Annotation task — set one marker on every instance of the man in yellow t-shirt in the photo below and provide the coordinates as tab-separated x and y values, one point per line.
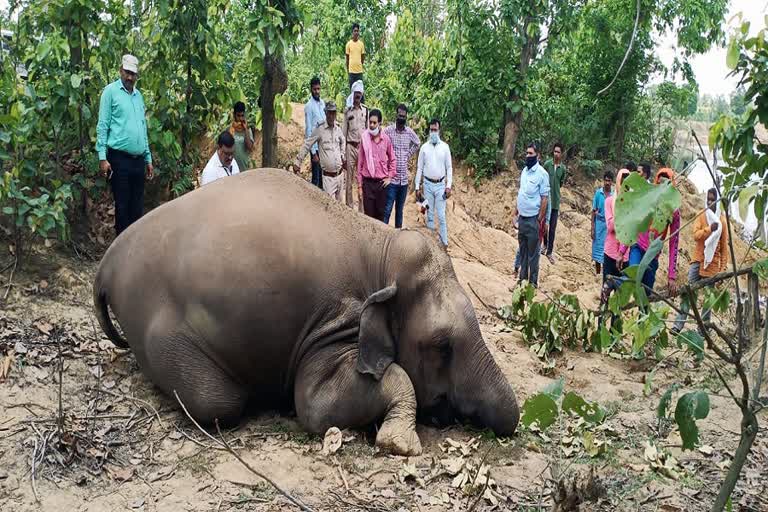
355	55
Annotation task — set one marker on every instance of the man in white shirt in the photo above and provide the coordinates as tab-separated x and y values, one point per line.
223	162
435	166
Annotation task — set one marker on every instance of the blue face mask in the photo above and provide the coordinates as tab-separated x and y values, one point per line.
530	161
434	137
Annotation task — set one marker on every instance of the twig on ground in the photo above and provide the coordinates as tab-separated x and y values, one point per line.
137	400
198	443
474	480
223	442
10	279
343	478
60	361
492	309
34	472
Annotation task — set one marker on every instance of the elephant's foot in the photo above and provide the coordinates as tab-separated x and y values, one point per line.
398	437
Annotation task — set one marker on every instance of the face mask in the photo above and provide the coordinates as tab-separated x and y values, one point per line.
434	137
373	132
530	161
400	122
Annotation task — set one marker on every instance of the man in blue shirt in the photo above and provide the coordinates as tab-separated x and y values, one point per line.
532	210
122	143
314	116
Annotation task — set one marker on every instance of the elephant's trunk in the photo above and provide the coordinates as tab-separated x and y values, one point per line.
488	399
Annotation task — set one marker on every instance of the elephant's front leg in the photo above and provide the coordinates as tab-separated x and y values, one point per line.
330	392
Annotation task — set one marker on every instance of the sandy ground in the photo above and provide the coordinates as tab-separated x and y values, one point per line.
124	446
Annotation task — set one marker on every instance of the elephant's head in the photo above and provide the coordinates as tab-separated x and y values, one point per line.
424	321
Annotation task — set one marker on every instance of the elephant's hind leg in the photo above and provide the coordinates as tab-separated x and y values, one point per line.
330	392
177	364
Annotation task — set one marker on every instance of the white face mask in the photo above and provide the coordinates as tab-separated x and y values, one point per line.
434	137
373	132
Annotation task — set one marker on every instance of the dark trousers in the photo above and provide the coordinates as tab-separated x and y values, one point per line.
649	278
549	238
317	174
528	238
610	269
374	198
127	187
354	77
396	196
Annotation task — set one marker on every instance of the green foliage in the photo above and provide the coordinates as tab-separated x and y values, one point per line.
548	327
561	322
658	204
746	156
690	407
591	412
543	409
693	341
540	409
592	168
761	269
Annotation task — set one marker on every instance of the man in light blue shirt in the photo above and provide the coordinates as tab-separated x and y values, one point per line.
123	145
532	199
314	116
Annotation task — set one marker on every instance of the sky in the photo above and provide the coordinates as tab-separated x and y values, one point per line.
709	68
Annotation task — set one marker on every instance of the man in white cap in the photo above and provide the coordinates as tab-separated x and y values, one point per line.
122	143
354	124
329	140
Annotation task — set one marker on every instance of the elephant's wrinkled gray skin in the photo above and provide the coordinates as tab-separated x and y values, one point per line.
260	285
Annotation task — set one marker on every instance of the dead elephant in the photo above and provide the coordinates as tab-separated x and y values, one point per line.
261	286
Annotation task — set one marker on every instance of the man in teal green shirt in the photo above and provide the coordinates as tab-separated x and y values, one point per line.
556	170
122	144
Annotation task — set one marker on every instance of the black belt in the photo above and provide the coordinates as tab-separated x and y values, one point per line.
434	181
123	154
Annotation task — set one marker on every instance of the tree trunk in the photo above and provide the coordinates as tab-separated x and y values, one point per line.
513	121
275	82
749	429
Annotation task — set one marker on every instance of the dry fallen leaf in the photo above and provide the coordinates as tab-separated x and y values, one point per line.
161	474
488	495
5	365
121	474
453	465
20	348
43	327
410	472
332	441
706	450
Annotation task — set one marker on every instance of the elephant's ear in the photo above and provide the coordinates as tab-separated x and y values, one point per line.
376	344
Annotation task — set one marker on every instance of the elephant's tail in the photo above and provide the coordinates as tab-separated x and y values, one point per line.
100	300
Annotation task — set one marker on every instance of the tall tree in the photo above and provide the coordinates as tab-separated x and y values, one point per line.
554	17
276	25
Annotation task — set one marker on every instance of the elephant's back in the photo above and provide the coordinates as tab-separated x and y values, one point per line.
262	204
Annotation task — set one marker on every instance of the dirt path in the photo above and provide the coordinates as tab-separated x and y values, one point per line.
127	447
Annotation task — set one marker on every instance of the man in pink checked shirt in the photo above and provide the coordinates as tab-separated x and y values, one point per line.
376	167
